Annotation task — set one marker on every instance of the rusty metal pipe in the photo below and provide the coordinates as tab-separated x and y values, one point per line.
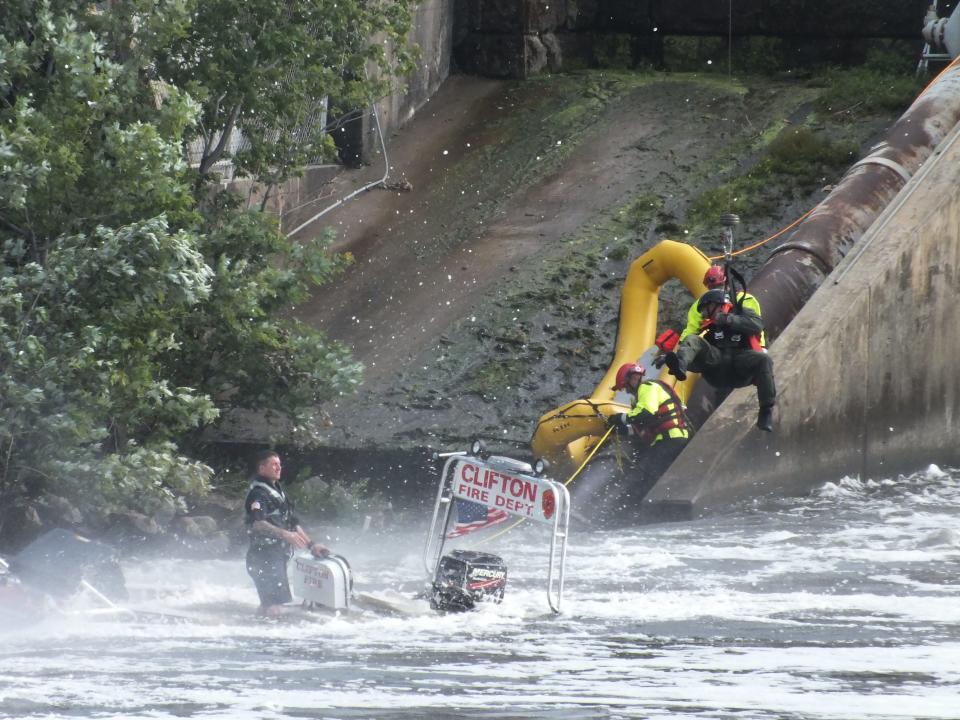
800	265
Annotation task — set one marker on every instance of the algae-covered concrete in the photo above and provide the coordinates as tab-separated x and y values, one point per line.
868	372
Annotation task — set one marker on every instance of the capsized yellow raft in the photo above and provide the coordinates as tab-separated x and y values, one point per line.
565	436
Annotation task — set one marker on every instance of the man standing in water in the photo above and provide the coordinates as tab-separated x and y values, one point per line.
274	533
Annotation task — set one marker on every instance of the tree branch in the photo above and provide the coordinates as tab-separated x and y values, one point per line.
211	158
14	228
266	196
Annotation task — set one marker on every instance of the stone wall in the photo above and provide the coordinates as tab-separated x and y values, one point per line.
867	372
519	38
432	33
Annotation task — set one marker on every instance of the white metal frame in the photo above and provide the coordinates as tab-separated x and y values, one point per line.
437	532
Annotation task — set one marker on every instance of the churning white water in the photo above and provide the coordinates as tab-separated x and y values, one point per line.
842	605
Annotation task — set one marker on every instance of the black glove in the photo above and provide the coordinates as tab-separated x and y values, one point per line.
618	421
723	319
659	360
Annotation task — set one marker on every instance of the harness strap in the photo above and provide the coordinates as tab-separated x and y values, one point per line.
672	413
751	342
271	490
674	406
277	517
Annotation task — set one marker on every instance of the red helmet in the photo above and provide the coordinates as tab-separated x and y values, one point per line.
625	371
715	277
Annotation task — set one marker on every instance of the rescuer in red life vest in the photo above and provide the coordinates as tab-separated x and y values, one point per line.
727	352
658	419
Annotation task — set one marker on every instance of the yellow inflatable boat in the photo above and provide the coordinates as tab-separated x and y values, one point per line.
565	436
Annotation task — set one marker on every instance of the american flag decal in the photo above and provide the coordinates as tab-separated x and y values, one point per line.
471	516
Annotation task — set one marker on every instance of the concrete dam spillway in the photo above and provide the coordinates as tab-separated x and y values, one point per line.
423	416
867	370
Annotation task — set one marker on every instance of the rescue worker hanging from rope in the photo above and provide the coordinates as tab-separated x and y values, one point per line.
727	351
657	419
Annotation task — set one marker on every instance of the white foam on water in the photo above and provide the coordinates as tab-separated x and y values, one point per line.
838	606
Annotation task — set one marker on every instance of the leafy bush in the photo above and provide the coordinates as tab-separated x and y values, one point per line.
318	499
883	83
85	404
797	156
801	153
137	303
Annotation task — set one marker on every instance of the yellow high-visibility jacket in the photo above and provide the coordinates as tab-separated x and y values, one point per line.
657	413
695	319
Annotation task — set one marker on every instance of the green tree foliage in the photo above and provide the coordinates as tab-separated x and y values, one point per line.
83	142
85	407
235	349
136	303
267	68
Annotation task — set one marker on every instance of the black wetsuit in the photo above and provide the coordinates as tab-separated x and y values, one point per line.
725	358
267	557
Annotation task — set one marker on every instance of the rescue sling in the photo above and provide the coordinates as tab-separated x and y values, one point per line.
752	341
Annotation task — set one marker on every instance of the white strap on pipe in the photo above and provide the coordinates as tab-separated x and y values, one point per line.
887	163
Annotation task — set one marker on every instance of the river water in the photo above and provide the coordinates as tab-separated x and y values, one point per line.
841	605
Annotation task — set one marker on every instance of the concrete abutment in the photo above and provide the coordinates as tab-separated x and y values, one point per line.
867	371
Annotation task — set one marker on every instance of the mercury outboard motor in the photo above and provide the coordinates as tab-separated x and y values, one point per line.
466	577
